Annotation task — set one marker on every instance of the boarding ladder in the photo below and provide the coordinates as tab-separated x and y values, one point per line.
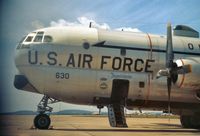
116	115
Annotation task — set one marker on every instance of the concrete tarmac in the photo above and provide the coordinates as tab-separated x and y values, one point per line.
64	125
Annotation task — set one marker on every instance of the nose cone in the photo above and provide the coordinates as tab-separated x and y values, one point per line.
21	81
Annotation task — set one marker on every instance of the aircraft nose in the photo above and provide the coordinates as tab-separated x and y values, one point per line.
20	58
22	83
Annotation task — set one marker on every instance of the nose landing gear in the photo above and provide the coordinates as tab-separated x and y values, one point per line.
42	120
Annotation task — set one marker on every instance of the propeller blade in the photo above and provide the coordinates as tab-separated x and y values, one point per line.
169	84
169	62
169	48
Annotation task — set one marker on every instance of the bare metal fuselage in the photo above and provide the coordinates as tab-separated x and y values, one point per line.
79	67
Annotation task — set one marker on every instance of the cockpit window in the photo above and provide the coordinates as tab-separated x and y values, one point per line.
20	42
48	38
34	37
29	39
40	32
39	36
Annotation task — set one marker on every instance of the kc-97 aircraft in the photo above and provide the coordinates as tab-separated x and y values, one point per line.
116	69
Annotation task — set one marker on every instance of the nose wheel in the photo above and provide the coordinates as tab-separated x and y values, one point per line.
42	120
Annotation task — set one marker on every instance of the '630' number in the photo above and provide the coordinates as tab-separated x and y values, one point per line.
61	75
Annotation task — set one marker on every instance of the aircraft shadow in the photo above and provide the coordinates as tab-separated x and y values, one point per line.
168	125
128	130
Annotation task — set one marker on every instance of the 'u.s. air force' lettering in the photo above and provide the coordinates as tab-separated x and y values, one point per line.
86	61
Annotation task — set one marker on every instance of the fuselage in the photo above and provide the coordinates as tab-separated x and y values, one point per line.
78	65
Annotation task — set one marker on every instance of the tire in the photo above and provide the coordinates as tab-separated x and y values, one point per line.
185	121
195	122
42	121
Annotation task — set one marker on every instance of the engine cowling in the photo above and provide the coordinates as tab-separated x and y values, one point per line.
189	80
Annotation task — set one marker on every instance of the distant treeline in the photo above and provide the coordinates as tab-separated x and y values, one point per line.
85	112
63	112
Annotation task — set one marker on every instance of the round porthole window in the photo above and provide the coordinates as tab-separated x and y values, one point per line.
86	45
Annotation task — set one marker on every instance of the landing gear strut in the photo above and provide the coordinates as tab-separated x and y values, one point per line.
42	120
99	107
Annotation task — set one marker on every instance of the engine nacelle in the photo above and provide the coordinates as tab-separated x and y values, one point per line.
189	80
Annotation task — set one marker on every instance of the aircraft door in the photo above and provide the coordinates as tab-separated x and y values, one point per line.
119	92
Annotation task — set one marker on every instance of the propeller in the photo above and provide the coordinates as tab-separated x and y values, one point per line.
171	70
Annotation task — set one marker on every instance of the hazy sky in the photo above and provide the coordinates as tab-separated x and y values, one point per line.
18	17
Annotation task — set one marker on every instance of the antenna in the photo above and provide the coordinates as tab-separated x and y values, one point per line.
90	25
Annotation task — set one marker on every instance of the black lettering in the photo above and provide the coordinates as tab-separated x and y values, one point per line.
57	75
62	75
115	60
127	63
138	62
35	60
79	60
66	75
71	60
87	58
190	46
103	61
148	65
52	58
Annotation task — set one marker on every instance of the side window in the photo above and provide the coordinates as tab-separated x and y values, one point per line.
20	43
47	38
